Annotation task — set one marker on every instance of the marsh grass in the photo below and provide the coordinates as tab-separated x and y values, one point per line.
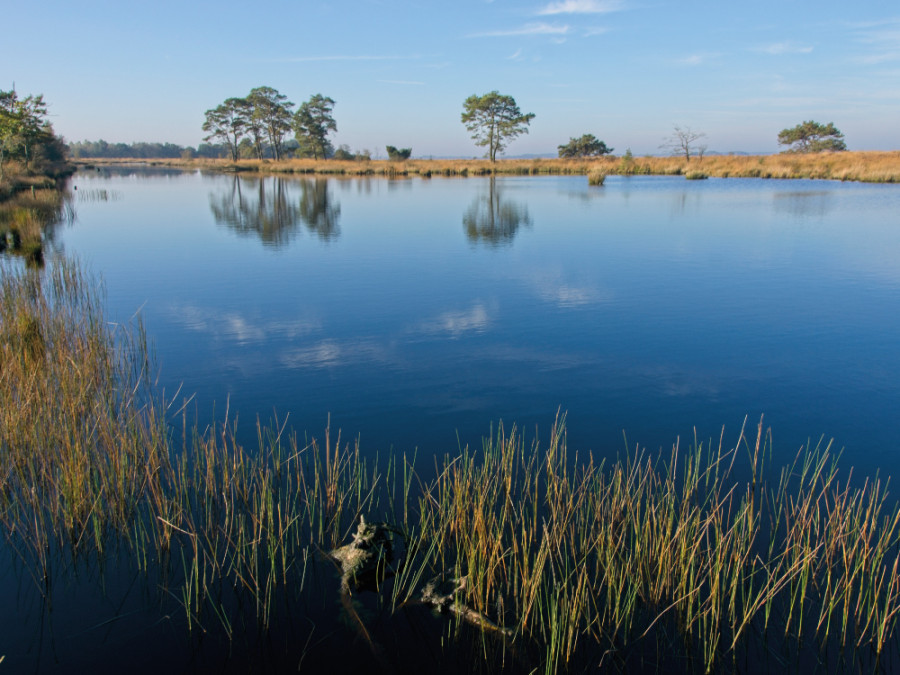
24	218
596	176
870	166
709	554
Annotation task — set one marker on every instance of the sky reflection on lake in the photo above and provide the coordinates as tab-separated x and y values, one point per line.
417	312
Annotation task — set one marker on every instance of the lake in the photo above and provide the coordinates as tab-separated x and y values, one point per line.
416	313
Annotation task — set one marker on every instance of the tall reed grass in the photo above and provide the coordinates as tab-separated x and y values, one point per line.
709	553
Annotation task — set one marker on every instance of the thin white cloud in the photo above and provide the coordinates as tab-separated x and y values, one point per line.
527	30
581	7
883	36
515	56
779	48
777	102
696	59
596	30
346	57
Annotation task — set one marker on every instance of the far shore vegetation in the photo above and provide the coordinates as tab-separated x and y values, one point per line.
863	166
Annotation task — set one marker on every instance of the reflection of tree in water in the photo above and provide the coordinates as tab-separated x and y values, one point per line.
494	220
263	207
257	206
318	210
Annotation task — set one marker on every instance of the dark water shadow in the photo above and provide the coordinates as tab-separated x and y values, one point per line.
805	204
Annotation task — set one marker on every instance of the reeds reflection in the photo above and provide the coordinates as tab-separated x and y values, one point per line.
28	223
493	220
267	207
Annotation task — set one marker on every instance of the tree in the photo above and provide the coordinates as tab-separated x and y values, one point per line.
256	130
312	124
24	129
9	125
812	137
344	153
270	111
493	120
227	122
586	146
682	141
398	155
32	124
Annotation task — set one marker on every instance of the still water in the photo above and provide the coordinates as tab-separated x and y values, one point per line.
416	313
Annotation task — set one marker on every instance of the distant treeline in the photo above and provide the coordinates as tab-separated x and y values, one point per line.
98	149
102	149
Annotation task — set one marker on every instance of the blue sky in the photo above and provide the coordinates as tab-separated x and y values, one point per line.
399	70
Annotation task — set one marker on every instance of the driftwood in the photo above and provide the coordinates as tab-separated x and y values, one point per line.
372	555
452	602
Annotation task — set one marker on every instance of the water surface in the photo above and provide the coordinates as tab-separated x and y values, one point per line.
415	313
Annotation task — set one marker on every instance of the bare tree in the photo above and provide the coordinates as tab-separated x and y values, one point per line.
681	142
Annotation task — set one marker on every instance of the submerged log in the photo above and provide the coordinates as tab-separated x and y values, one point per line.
452	601
369	557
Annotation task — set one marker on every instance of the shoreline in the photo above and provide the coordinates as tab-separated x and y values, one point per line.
865	167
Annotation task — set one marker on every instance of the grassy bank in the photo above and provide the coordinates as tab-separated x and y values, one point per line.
30	201
704	554
874	167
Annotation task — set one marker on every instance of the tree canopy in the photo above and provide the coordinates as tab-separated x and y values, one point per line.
586	146
398	154
226	123
261	119
271	112
494	120
812	137
24	130
312	123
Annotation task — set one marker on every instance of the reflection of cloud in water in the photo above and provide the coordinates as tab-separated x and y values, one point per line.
455	324
677	382
803	204
321	355
552	288
563	295
236	327
332	353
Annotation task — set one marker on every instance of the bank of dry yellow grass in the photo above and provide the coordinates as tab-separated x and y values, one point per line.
871	167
